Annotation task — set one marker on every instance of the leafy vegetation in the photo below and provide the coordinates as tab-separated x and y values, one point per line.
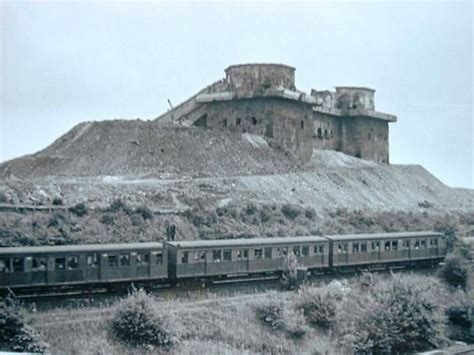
137	322
15	335
454	273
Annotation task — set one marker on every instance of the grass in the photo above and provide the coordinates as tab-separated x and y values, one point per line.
214	324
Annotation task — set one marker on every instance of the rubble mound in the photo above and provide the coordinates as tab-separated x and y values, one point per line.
141	148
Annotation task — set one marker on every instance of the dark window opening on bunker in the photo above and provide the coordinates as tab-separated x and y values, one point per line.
254	121
224	123
238	122
320	133
302	124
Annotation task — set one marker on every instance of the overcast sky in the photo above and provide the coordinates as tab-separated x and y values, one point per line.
64	63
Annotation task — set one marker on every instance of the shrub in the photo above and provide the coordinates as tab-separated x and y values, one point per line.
15	335
425	204
291	211
3	198
56	220
277	315
58	201
137	322
145	212
108	219
398	315
289	277
454	273
269	314
319	305
79	209
250	209
309	213
118	205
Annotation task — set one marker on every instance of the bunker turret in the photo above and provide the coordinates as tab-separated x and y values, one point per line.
262	99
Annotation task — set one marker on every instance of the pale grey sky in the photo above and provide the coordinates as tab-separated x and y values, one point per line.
64	63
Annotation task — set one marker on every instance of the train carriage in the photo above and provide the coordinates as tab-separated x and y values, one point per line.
205	258
73	264
374	249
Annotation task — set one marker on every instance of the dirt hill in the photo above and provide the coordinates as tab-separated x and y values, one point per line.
177	168
138	148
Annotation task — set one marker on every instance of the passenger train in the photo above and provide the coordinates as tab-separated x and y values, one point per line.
172	261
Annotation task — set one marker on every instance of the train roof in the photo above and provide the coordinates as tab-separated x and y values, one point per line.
245	242
396	235
80	248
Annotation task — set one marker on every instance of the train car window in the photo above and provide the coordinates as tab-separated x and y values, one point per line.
387	246
72	262
297	250
143	258
39	264
363	247
433	243
217	256
124	259
258	253
355	247
227	254
375	246
159	257
113	260
4	265
92	260
242	254
342	248
305	250
423	244
406	244
417	244
59	263
394	244
321	249
268	253
203	256
184	257
18	265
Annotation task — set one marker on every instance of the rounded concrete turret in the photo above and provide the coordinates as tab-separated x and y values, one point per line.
259	77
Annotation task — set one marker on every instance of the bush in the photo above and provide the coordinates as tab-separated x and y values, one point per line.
57	220
58	201
319	305
15	335
291	211
398	315
250	209
280	316
289	277
145	212
454	273
309	213
3	198
118	205
108	219
79	209
137	322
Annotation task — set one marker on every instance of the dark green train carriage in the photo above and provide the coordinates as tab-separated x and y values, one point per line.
206	258
77	264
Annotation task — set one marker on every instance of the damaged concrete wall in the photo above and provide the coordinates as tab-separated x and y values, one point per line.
255	78
365	138
288	123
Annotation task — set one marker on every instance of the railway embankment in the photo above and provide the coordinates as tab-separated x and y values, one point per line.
324	319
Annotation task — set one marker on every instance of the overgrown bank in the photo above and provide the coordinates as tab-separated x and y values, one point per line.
121	223
370	314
